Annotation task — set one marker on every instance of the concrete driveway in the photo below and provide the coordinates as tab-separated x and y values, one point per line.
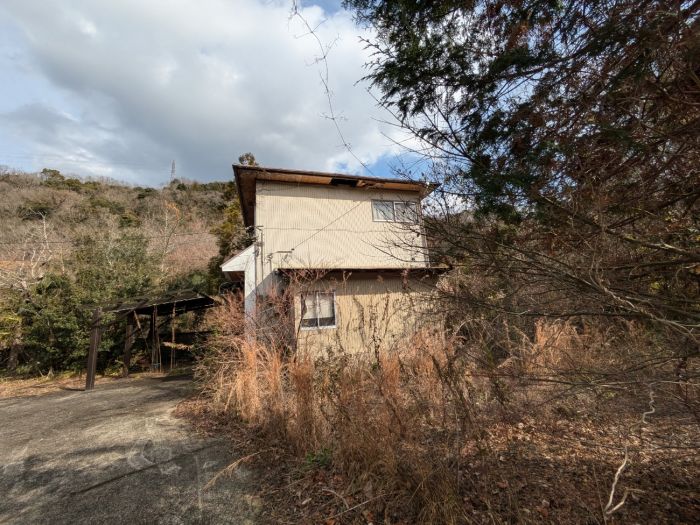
115	455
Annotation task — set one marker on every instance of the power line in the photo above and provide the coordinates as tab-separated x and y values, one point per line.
327	225
324	77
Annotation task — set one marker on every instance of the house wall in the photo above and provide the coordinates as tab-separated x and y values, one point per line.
244	264
372	312
331	227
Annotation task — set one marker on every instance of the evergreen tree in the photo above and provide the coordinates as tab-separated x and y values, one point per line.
574	128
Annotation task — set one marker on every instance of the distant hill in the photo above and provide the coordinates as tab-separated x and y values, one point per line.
44	215
68	245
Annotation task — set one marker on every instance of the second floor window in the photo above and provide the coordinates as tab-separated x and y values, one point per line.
394	211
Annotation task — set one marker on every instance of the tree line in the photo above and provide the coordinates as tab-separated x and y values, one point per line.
68	245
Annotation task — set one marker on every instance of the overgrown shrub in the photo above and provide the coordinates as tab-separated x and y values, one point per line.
55	327
436	430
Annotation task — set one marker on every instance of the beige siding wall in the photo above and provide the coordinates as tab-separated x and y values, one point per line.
372	312
331	227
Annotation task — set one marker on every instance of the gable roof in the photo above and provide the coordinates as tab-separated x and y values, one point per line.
246	177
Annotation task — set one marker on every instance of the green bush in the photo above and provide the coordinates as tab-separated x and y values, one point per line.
115	208
36	209
56	315
55	326
146	192
129	220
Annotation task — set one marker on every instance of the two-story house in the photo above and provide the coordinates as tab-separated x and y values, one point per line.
351	249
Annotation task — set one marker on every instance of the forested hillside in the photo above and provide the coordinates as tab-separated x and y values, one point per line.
67	244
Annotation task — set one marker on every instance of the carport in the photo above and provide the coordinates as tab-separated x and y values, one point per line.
166	307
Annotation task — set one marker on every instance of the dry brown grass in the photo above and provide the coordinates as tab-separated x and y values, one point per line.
36	386
14	387
434	432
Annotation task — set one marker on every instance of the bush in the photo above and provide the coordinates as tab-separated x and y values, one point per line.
129	220
115	208
55	327
437	430
387	419
36	209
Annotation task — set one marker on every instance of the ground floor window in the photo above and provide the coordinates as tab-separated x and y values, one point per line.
318	309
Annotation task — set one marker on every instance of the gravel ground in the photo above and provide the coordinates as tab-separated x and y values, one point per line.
116	455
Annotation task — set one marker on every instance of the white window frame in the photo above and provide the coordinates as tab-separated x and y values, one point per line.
301	309
415	209
393	207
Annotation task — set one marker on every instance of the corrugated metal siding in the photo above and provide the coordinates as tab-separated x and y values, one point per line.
371	313
332	227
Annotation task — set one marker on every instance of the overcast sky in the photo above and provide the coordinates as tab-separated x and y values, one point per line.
121	88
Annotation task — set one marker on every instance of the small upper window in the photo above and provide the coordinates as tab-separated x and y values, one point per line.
318	310
391	211
383	211
406	212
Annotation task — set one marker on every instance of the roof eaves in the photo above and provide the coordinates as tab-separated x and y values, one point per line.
330	175
415	269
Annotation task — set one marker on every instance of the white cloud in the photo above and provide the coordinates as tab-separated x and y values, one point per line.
86	27
199	81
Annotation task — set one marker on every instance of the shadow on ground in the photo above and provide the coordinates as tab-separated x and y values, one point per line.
115	455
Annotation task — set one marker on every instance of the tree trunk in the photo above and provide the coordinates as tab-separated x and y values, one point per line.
128	343
15	348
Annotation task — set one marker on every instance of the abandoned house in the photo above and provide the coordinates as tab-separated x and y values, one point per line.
337	261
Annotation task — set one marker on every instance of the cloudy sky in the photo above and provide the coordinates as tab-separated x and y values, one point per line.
120	88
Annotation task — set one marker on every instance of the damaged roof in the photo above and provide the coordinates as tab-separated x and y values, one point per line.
246	177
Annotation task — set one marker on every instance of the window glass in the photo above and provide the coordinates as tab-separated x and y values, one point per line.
383	210
317	309
326	309
308	310
406	212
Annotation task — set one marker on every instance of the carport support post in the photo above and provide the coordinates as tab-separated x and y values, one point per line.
95	337
128	343
172	338
155	340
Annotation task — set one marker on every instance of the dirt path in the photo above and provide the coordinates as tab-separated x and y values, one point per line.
115	455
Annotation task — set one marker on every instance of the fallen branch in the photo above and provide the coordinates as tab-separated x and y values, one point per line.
609	509
233	466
